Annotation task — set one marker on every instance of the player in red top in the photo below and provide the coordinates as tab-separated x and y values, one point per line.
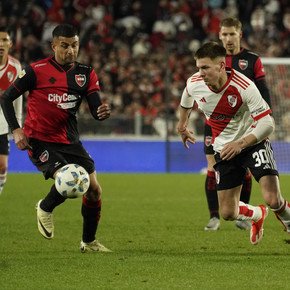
249	64
241	123
9	69
57	86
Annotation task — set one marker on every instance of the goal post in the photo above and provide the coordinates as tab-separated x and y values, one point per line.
278	81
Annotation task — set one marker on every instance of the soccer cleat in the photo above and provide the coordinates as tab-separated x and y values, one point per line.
44	222
213	224
256	233
93	246
243	225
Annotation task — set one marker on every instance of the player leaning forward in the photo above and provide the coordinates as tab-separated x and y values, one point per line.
56	88
241	123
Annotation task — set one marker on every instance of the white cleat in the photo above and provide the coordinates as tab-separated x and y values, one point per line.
44	222
243	225
93	246
213	224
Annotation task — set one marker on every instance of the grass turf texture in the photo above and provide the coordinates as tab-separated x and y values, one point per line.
153	223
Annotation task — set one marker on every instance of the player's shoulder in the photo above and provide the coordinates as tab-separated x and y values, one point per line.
194	79
240	80
83	67
13	61
249	53
40	63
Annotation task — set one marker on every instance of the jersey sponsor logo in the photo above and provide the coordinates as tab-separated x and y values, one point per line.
243	64
10	76
44	156
232	99
80	80
64	101
22	74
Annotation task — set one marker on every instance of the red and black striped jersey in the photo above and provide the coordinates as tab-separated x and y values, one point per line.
248	63
55	95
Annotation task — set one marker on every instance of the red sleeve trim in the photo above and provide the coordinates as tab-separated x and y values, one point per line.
268	112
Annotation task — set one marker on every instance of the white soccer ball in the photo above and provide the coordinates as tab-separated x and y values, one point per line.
72	181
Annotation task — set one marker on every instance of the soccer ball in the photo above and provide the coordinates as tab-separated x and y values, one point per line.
72	181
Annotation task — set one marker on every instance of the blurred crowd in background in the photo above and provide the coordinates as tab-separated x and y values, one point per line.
143	50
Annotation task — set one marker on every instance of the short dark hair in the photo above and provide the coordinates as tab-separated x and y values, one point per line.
211	50
231	21
65	30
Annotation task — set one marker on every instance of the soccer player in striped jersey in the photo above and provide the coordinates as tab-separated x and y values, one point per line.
241	123
9	70
57	85
249	64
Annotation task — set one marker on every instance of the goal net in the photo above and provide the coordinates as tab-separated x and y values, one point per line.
278	81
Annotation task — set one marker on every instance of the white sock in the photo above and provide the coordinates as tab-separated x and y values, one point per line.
283	214
2	181
249	212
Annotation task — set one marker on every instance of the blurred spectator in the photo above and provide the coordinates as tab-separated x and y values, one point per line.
143	49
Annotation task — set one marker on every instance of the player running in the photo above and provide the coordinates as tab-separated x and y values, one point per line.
57	86
249	64
241	123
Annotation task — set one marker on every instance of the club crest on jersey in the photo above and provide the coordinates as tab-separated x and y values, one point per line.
80	80
243	64
10	76
44	156
232	99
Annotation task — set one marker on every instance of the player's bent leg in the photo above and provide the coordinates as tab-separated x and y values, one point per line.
272	195
245	197
91	212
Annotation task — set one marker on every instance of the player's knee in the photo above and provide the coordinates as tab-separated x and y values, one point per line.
94	194
3	169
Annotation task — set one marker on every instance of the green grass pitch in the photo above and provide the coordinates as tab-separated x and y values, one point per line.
153	223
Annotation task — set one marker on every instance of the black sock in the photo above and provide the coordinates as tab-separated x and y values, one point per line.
246	189
211	194
91	212
52	200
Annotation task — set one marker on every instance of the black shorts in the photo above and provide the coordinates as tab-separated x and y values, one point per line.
4	144
207	146
258	158
49	157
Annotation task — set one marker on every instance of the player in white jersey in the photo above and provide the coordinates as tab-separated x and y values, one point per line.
241	123
9	70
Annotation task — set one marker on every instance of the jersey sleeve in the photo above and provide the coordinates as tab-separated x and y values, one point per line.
93	96
256	104
187	101
18	103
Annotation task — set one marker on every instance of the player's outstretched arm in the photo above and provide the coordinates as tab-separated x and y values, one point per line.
186	135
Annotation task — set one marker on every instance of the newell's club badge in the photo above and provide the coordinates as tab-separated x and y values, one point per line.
44	156
80	80
243	64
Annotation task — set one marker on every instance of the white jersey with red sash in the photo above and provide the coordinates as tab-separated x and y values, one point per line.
8	74
232	111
